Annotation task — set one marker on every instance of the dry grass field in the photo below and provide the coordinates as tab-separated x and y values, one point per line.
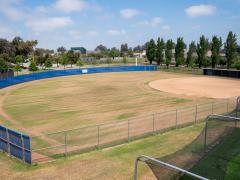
68	102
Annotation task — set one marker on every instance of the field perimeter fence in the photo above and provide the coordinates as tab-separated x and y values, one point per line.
48	147
69	72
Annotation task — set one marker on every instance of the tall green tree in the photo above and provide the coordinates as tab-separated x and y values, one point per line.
64	60
151	51
231	48
3	65
114	52
202	49
17	67
191	50
32	66
168	51
215	48
48	63
71	57
159	51
179	51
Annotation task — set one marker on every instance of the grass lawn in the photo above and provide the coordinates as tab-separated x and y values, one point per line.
68	102
110	163
223	162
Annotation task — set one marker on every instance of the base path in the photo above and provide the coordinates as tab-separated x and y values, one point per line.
211	87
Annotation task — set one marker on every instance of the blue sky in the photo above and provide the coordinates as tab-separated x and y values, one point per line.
88	23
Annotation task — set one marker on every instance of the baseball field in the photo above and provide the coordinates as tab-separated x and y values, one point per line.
57	104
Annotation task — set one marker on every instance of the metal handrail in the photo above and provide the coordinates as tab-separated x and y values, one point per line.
144	158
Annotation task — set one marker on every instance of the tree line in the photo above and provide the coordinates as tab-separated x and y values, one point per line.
224	54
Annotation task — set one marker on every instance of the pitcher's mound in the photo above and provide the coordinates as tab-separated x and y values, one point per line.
199	86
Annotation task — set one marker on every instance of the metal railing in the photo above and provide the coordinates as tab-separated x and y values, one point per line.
159	163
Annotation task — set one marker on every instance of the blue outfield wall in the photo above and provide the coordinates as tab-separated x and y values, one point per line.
15	144
69	72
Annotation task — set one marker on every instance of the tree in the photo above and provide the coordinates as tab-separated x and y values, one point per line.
125	60
64	60
61	49
202	49
124	49
17	67
71	57
80	63
159	50
179	51
3	65
231	48
32	66
151	51
8	49
130	52
114	52
215	48
192	49
168	52
101	48
19	59
237	63
48	63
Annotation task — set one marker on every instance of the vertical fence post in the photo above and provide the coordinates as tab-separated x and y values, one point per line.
153	123
176	118
98	136
128	130
205	136
65	143
212	107
227	105
196	113
8	142
23	149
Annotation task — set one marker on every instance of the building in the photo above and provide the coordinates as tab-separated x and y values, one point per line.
81	50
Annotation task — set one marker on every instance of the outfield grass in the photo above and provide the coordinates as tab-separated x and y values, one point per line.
68	102
110	163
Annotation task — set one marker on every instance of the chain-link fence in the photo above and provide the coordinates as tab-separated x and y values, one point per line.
50	146
208	155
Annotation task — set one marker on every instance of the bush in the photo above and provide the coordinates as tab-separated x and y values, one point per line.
48	63
32	67
125	60
237	64
109	61
80	63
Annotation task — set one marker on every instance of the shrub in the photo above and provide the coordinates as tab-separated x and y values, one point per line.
237	64
32	66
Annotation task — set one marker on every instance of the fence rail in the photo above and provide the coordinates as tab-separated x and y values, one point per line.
52	145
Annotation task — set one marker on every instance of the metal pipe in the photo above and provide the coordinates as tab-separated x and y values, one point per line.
161	163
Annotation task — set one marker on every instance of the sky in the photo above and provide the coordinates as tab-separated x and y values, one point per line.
89	23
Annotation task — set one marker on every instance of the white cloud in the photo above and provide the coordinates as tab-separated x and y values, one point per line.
200	10
129	13
154	22
71	5
10	10
113	32
48	24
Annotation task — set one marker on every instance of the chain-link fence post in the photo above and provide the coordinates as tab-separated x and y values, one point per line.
196	113
212	107
128	130
176	118
65	143
98	136
153	123
227	105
